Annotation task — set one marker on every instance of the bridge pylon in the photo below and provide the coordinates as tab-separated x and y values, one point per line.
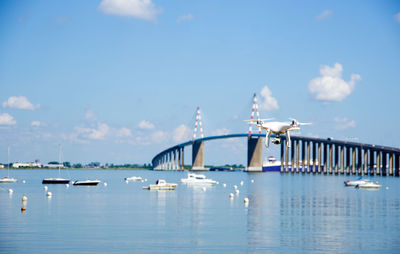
198	146
254	143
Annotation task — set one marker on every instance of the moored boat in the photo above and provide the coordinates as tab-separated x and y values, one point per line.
197	179
359	181
133	178
369	185
161	184
87	182
7	179
56	180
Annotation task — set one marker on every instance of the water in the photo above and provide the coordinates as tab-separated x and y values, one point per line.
287	213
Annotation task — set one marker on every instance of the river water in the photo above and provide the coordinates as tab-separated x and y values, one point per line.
287	213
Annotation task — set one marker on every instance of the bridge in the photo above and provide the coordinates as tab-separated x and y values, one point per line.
305	155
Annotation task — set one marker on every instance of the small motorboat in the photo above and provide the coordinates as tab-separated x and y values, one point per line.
7	179
356	182
197	179
55	181
369	185
87	182
161	184
133	178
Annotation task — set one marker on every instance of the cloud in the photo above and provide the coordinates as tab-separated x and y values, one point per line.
185	17
159	136
342	123
182	133
35	123
397	17
6	119
223	131
141	9
19	102
123	132
90	115
93	133
324	15
330	86
146	125
268	102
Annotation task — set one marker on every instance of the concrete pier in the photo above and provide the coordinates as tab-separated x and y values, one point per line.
254	153
198	155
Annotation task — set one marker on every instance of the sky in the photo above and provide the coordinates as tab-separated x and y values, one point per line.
118	81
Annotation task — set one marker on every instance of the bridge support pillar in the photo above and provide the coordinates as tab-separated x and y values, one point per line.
319	157
254	154
282	156
365	161
342	159
378	162
330	158
391	164
314	155
353	161
336	159
297	156
396	164
359	160
384	163
308	156
198	155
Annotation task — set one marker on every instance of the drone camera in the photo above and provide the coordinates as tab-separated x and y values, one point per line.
276	141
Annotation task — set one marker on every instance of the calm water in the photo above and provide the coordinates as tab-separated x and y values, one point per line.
286	214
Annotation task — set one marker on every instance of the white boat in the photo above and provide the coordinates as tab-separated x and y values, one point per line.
87	182
133	178
359	181
369	185
56	180
8	179
161	184
197	179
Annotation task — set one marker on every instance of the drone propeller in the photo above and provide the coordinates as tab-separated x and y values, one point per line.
259	120
297	123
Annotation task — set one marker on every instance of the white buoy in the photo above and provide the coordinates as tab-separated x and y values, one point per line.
145	179
67	185
23	181
24	198
246	200
204	188
235	187
231	195
387	188
224	185
105	184
237	192
252	180
49	194
241	183
10	191
45	187
126	181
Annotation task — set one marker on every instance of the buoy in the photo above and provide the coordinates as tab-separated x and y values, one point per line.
45	187
204	188
105	184
241	183
231	195
246	200
217	182
224	185
23	209
387	188
145	179
23	181
252	180
10	191
24	198
237	192
234	186
126	181
67	185
49	194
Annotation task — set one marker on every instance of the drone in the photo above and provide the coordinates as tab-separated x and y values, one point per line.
278	128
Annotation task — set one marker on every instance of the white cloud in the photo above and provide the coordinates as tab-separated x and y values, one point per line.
324	15
330	86
6	119
185	17
19	102
182	133
92	133
223	131
342	123
124	132
159	136
141	9
90	115
268	102
397	17
146	125
35	123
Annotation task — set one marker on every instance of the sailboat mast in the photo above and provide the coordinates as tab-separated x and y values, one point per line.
8	161
59	159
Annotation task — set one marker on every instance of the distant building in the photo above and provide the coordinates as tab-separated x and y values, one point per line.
26	165
53	166
1	166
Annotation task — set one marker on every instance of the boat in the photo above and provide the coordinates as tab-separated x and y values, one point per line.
133	178
368	185
161	184
359	181
197	179
87	182
8	179
271	165
57	180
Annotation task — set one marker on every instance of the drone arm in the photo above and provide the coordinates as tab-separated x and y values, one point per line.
267	138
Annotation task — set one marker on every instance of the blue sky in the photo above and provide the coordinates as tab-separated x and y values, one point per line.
119	80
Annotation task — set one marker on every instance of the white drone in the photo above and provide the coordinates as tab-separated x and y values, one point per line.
278	128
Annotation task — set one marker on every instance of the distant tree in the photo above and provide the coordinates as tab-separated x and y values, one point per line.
67	164
53	162
78	165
